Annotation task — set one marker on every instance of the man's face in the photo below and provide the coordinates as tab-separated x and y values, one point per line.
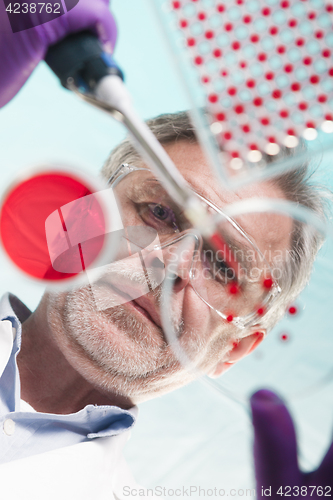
123	348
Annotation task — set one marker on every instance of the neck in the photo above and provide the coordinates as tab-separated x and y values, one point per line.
49	383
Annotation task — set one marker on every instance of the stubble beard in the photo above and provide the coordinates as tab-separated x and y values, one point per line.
131	356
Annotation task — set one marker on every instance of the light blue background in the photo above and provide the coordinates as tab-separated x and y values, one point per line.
192	436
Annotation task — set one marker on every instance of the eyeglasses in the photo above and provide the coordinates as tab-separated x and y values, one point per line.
236	281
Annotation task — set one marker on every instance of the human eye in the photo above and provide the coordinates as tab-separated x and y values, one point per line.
162	217
217	267
156	209
222	272
163	213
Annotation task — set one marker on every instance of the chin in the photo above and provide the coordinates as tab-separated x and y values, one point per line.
119	350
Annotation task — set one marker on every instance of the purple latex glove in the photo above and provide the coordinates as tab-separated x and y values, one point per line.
20	52
275	454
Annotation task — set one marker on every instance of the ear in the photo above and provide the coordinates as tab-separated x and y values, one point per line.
239	350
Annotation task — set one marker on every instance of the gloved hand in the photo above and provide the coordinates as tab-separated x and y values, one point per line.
20	52
275	454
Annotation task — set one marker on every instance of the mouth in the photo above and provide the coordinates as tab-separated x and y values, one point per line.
142	305
142	311
147	309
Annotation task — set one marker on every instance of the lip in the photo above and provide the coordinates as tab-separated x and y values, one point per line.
144	305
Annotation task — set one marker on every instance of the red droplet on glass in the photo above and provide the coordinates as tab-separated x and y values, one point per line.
284	4
269	75
276	94
251	83
228	26
303	106
233	289
176	5
291	131
191	42
224	72
288	68
329	7
307	61
326	53
310	125
236	45
235	154
329	117
217	53
198	60
253	147
284	337
265	121
262	56
205	79
220	7
268	283
281	49
284	113
247	19
201	16
274	30
239	109
232	90
228	136
300	42
246	128
312	15
292	23
319	34
243	64
257	101
266	11
220	117
272	139
260	311
322	98
314	79
330	71
295	87
183	23
254	38
230	318
209	34
292	310
213	98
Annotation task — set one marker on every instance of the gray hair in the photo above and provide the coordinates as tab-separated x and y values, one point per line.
296	185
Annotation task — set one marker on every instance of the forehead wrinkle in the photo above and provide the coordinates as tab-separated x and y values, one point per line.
273	232
213	194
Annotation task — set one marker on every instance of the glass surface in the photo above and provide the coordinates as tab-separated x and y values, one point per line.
294	359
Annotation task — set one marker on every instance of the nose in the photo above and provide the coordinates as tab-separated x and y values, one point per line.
180	261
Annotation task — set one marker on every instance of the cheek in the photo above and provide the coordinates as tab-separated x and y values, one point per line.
205	334
196	315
